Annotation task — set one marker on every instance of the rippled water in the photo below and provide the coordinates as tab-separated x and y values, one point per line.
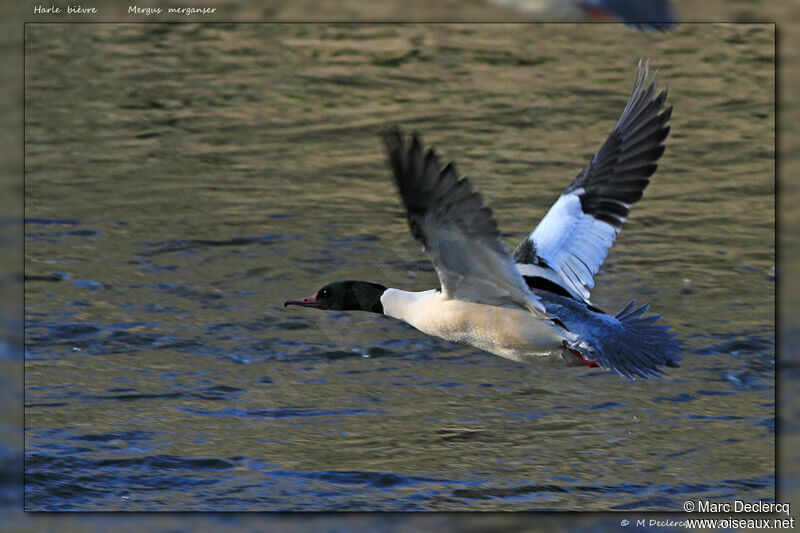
182	181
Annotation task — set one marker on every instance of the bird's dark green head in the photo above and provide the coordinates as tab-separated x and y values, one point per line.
345	296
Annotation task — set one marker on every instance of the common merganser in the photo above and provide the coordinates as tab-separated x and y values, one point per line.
535	302
657	15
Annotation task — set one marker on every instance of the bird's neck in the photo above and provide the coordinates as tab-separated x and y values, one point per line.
404	305
365	296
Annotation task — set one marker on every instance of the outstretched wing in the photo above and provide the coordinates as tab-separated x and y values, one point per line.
572	240
456	228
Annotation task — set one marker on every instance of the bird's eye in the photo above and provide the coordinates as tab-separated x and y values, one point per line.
325	292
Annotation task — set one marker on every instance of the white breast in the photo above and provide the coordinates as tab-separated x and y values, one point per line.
508	332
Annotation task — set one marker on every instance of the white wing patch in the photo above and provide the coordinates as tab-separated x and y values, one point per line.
573	243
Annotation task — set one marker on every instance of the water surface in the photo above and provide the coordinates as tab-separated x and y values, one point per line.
182	181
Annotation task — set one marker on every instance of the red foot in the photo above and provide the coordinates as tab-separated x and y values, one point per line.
583	359
599	16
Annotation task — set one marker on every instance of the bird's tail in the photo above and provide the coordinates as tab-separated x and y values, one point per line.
629	343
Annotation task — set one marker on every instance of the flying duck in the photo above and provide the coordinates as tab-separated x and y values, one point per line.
534	302
656	15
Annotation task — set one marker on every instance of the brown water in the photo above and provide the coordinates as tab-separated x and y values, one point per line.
182	181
